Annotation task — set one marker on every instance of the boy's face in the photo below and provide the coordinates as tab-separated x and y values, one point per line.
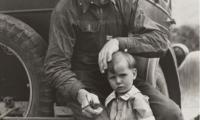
121	78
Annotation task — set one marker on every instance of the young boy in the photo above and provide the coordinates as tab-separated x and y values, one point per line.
125	102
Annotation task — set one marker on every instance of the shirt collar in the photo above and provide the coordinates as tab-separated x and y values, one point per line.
130	94
85	4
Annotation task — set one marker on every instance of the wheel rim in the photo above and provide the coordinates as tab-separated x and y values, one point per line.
10	51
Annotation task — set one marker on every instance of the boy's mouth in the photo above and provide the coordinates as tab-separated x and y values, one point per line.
120	88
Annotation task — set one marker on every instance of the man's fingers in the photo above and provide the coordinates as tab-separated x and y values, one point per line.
88	101
86	113
85	103
90	111
82	98
95	99
104	61
107	59
98	110
99	60
109	56
106	52
102	55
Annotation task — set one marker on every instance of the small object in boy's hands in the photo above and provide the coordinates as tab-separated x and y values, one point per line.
92	104
95	105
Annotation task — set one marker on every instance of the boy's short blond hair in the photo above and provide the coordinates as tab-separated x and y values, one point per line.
128	57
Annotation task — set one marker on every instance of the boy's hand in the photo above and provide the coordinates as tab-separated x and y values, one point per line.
105	55
89	103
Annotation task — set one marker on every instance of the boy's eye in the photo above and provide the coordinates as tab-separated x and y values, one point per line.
112	77
122	75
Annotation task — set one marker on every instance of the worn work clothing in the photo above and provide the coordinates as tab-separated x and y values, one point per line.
78	31
163	108
129	106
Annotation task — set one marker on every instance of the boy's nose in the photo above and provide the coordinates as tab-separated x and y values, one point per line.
118	80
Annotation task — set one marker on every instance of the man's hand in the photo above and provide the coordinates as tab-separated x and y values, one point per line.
105	55
85	98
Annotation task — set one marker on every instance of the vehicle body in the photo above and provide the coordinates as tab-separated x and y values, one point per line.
32	12
27	22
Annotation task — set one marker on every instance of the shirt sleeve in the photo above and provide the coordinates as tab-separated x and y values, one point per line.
58	59
142	108
146	38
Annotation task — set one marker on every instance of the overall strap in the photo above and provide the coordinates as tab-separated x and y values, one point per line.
121	14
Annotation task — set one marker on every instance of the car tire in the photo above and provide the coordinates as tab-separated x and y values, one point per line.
30	48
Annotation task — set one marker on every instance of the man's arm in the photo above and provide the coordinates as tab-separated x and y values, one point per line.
59	54
58	63
146	39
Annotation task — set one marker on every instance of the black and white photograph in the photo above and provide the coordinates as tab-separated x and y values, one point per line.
99	60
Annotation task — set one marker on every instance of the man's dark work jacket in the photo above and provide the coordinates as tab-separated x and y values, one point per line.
80	28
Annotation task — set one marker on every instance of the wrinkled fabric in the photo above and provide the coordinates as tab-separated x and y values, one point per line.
163	108
79	29
130	106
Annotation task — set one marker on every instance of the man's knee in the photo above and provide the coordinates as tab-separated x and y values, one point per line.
162	107
170	111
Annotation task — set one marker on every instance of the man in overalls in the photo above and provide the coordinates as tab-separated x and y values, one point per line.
79	50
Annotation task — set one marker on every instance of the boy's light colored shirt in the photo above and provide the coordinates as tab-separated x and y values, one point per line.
130	106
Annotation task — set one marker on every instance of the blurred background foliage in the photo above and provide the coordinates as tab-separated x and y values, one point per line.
188	35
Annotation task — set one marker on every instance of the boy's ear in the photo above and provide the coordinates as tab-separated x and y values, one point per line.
134	71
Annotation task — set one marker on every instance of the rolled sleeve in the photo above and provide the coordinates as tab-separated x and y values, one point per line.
58	59
145	36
